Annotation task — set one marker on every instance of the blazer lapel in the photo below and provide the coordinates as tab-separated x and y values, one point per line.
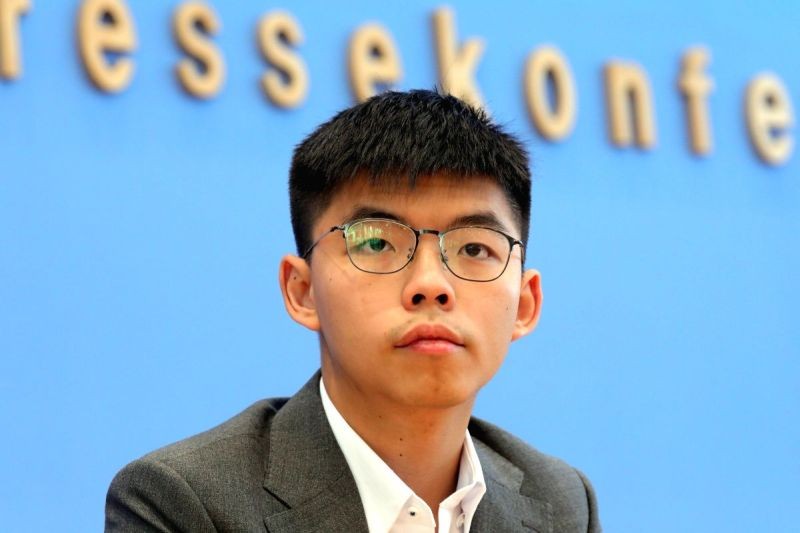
306	470
503	508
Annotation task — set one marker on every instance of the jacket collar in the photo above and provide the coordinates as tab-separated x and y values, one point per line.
306	470
504	507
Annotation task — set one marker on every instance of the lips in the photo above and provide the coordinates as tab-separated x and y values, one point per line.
432	338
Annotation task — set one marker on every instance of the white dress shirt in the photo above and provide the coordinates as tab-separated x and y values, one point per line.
389	504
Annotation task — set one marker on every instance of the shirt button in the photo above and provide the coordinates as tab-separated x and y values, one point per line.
460	521
412	511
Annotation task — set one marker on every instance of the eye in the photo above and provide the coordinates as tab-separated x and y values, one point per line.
373	245
475	250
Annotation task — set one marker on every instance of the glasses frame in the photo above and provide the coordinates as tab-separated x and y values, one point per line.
418	233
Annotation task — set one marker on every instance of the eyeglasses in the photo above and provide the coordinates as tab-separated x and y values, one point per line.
383	246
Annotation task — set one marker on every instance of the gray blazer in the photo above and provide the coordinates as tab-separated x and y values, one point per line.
277	467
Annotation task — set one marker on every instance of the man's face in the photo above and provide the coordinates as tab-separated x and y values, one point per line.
422	336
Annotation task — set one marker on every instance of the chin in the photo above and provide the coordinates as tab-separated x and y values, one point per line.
437	393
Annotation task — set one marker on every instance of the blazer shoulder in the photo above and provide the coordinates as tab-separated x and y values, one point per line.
147	495
207	482
567	492
252	423
517	451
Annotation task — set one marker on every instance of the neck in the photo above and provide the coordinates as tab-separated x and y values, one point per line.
422	445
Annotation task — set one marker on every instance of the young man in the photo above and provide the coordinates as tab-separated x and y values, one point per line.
410	212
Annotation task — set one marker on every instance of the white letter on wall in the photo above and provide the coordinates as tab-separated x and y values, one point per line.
372	59
456	66
695	86
288	85
629	100
544	64
106	25
769	116
10	56
190	18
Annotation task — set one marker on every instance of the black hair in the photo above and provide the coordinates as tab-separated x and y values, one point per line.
404	135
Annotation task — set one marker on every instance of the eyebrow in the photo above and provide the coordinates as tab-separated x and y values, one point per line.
366	211
486	219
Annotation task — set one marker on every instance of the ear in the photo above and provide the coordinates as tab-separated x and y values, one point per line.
530	304
294	276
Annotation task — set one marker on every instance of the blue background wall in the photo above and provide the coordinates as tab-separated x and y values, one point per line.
140	234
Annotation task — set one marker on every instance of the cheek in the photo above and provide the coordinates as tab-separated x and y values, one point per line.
351	311
499	314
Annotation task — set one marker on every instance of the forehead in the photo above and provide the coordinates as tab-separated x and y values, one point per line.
434	202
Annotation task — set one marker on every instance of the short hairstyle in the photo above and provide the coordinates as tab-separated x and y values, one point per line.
398	136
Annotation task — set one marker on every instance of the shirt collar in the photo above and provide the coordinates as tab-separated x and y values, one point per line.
382	492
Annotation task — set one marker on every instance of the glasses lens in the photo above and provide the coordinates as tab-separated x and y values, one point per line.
379	246
478	254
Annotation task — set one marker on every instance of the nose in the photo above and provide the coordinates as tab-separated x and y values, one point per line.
427	279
